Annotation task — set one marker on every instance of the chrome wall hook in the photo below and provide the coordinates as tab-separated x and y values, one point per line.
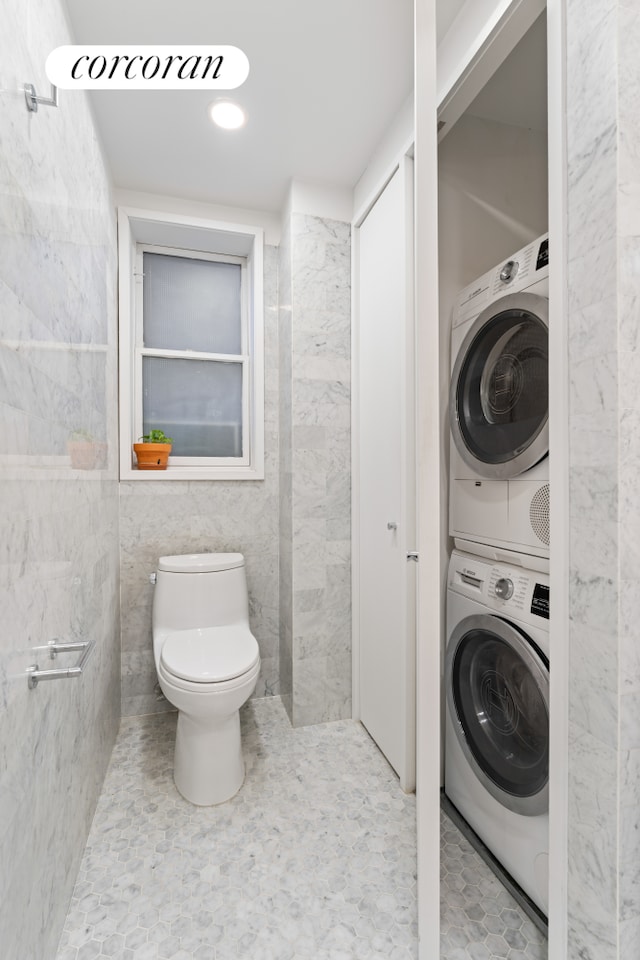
33	99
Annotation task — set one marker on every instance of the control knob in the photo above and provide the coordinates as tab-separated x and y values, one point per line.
509	271
504	588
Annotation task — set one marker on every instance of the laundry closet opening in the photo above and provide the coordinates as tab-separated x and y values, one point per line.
493	244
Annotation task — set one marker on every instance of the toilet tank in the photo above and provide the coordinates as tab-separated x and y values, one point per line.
200	590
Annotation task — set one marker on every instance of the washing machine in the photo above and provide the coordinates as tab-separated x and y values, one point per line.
499	406
497	712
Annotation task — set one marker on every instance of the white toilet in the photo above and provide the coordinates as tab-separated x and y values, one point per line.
208	662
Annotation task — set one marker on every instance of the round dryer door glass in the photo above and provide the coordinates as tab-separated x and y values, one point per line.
499	692
500	395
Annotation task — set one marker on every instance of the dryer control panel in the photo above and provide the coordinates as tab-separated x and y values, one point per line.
505	588
522	270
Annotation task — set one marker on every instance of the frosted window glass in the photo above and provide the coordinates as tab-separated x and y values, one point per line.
191	304
196	402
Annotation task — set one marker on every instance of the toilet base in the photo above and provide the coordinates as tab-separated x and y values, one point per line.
208	766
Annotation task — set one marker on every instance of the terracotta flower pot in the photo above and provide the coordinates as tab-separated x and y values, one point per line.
152	456
87	454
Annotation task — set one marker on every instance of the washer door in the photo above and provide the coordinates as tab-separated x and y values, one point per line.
499	401
497	684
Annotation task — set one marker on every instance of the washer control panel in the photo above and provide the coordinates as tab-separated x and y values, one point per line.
507	589
522	270
504	588
511	588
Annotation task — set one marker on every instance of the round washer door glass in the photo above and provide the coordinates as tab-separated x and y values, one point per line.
498	691
500	392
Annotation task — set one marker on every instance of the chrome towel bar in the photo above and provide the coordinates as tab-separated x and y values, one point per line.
34	674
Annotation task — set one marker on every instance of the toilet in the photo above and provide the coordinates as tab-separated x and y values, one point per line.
207	662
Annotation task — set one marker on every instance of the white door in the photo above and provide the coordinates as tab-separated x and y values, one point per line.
384	488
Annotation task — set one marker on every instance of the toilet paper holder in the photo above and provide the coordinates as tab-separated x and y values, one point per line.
54	647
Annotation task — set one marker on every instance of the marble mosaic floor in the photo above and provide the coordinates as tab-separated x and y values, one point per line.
479	919
314	859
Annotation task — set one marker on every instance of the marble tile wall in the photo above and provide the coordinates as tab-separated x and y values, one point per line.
629	472
286	511
319	503
603	120
58	481
199	515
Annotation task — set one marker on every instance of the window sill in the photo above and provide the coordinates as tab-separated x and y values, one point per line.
194	473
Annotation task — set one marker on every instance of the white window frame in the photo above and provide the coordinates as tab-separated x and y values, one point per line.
143	230
243	358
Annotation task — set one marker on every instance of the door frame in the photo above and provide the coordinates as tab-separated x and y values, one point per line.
471	73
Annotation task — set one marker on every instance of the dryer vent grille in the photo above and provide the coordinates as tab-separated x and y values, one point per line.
539	513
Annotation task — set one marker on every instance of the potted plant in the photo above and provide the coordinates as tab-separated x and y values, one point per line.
153	451
85	452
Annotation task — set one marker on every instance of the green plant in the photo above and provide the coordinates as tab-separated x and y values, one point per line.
82	435
156	436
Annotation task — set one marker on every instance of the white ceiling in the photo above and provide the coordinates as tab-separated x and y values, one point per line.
326	80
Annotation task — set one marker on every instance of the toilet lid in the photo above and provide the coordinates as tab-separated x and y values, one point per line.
200	562
210	654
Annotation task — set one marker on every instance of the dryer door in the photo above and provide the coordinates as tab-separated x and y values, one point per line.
499	400
497	686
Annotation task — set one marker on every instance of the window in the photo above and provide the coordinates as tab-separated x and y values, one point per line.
191	345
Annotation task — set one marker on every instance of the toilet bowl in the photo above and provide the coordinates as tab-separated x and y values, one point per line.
207	661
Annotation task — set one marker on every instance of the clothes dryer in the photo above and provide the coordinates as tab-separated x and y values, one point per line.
497	712
499	407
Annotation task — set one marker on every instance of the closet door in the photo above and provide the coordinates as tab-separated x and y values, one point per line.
385	477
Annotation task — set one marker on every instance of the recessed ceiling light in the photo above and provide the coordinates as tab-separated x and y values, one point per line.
227	114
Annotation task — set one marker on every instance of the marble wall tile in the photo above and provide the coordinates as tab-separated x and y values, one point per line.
285	544
202	516
628	393
591	46
592	862
315	335
629	931
629	297
589	336
603	113
58	514
594	666
630	651
629	135
629	496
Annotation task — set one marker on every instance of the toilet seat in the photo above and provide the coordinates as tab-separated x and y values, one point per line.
207	689
210	655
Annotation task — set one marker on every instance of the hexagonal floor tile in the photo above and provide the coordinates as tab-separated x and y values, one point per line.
314	859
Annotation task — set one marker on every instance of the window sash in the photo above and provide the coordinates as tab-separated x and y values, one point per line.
243	358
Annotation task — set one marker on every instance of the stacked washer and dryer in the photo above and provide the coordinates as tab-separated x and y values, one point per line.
497	654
